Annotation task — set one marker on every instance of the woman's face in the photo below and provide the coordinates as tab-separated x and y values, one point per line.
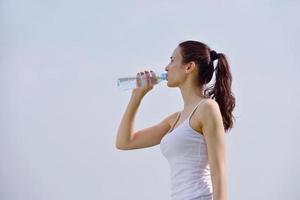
175	69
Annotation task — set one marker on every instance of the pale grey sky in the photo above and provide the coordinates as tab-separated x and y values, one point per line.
60	107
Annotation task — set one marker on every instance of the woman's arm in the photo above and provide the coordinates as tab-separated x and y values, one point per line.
126	126
125	130
213	130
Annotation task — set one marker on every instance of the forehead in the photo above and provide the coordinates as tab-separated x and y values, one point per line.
176	53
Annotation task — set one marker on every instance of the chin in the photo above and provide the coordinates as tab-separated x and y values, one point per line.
170	84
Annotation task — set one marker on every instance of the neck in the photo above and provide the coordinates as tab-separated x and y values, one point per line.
191	95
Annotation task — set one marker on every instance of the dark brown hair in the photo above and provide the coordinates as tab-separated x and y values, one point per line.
200	53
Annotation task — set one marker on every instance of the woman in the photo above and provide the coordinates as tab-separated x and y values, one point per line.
192	140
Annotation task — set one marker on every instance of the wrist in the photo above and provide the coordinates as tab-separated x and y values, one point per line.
137	96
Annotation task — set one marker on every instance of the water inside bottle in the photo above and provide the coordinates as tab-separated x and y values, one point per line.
128	83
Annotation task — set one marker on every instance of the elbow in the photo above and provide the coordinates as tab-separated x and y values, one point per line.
120	147
117	146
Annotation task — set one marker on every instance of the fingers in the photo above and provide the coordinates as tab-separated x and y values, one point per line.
146	77
138	79
153	77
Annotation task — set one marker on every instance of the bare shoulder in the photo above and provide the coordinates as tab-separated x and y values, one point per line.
206	106
171	118
211	117
206	110
210	108
210	104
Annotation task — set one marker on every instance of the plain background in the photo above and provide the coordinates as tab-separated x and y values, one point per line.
60	107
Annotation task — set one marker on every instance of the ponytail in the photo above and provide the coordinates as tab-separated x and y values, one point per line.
221	91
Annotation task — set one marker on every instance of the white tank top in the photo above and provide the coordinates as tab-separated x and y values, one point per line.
185	149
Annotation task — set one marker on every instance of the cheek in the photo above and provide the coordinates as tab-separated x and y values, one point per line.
174	79
173	67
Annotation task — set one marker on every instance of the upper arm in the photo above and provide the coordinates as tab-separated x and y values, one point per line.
213	131
150	136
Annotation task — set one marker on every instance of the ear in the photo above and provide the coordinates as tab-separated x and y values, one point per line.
191	66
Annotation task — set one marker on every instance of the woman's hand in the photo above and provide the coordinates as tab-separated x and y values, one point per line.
145	82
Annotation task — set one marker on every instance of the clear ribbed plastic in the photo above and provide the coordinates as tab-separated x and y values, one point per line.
129	83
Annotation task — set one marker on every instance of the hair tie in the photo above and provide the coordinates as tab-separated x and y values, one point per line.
213	55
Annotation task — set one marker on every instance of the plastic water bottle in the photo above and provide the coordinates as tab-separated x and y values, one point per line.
129	83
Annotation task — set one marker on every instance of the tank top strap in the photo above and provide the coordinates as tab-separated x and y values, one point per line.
175	121
202	100
179	113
